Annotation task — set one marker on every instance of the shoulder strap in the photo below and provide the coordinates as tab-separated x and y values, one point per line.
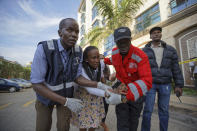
77	48
50	45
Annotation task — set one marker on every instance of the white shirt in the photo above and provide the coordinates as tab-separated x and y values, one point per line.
193	64
158	53
93	91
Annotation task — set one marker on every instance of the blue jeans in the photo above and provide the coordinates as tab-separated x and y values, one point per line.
163	105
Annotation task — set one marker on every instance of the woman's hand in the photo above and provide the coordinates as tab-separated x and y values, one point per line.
121	89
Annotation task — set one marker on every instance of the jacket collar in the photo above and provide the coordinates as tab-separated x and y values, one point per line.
61	48
162	43
128	56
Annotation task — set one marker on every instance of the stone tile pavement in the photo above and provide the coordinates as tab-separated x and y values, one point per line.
189	103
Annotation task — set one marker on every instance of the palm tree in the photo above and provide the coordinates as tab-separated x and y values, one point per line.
119	13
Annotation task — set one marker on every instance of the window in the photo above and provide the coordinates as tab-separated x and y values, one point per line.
84	8
192	47
103	22
82	41
95	24
83	18
94	12
109	44
2	82
178	5
82	30
148	18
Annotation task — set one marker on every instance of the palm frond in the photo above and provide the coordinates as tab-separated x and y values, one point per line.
97	34
92	32
128	8
101	38
116	15
105	8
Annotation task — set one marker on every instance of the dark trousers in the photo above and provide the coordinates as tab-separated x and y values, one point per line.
106	106
128	115
44	117
195	80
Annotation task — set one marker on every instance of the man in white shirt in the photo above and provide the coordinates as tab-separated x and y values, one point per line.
193	66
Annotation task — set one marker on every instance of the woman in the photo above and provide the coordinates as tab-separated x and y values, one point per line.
91	115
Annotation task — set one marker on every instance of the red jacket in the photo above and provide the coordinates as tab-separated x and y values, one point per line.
134	71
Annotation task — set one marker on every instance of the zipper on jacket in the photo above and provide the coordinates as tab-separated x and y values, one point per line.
154	57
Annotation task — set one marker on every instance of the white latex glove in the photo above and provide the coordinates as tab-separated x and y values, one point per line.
75	105
103	86
114	99
107	93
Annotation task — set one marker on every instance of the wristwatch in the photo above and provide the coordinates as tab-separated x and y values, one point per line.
123	98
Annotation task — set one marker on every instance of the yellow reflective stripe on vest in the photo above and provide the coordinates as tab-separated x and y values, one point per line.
77	48
110	59
115	51
60	86
134	90
50	45
142	85
136	57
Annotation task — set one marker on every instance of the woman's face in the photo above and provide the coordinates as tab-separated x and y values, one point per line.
93	58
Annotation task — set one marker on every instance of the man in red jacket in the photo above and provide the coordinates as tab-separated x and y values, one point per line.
133	69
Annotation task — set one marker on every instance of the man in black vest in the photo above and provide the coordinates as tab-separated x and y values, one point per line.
56	65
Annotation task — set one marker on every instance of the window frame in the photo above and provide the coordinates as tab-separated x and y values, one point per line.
96	21
176	8
109	43
94	14
141	19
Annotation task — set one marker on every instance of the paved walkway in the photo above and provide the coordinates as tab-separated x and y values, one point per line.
189	103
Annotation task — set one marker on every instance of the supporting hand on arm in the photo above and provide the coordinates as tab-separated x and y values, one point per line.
115	99
75	105
103	86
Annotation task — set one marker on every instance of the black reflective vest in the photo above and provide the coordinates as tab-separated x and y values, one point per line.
58	78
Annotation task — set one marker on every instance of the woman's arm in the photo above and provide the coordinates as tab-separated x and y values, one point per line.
95	91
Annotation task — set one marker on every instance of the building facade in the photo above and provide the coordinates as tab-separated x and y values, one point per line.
178	19
88	18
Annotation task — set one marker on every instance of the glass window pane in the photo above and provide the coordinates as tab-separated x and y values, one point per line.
155	15
2	82
173	4
148	18
178	8
139	27
180	2
155	20
109	43
94	12
83	18
96	23
82	30
191	2
178	5
192	47
138	19
147	23
155	8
